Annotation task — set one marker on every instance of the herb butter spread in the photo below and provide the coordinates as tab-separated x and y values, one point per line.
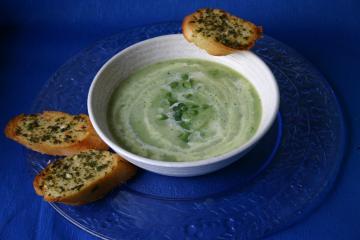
183	110
72	173
63	129
229	30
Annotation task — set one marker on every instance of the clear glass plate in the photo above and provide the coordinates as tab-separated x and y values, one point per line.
279	182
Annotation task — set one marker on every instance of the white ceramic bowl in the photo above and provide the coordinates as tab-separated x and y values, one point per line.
171	47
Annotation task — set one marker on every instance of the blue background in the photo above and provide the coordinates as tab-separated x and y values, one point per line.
36	37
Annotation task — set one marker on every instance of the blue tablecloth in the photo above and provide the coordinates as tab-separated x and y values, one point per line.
37	37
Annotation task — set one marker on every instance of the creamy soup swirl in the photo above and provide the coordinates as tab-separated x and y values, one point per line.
184	110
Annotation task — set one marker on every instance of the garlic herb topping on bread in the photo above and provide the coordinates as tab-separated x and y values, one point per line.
219	32
54	133
82	178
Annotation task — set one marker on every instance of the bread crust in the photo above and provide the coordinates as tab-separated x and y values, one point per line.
93	190
212	46
90	141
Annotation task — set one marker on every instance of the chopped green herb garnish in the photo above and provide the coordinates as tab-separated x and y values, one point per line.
185	125
174	85
225	28
65	128
34	139
92	164
101	167
53	128
187	84
32	125
162	116
78	187
177	115
184	76
18	131
182	106
193	112
88	176
184	136
170	98
45	138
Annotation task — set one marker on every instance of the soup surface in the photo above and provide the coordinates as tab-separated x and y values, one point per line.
183	110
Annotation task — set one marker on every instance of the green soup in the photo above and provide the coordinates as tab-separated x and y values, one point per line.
183	110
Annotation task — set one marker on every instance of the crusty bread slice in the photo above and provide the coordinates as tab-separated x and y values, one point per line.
54	133
82	178
219	32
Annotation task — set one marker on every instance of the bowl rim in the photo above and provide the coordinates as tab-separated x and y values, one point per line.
195	163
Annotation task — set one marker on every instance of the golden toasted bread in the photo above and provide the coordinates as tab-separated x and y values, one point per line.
54	133
82	178
218	32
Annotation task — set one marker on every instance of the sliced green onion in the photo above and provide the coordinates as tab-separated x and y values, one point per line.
182	107
189	95
191	81
187	84
170	98
185	125
186	117
193	112
162	116
184	136
177	115
184	76
172	101
174	85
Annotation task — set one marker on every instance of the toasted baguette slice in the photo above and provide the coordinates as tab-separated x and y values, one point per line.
82	178
54	133
219	32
